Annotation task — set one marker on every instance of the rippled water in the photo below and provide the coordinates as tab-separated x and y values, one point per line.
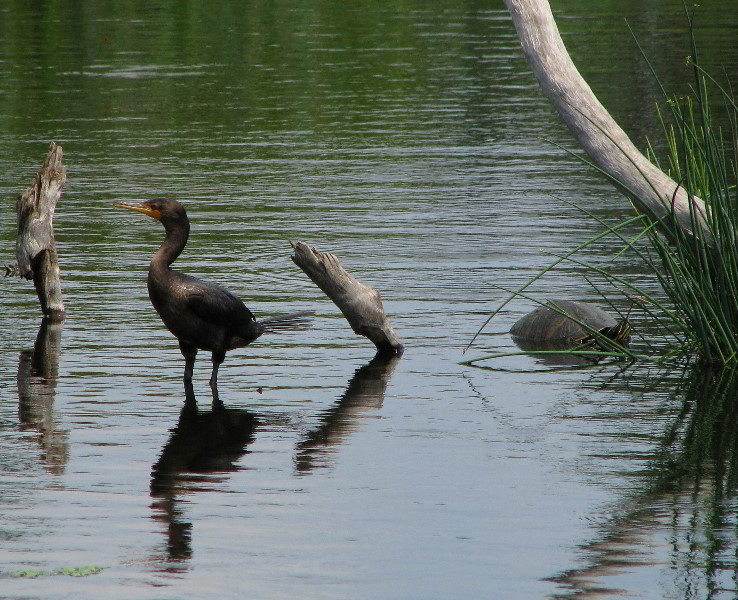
408	139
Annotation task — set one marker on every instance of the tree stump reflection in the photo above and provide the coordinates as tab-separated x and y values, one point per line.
38	370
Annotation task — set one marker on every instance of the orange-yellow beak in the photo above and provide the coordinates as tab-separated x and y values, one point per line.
149	212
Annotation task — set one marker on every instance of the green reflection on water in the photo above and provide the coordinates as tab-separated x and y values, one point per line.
685	515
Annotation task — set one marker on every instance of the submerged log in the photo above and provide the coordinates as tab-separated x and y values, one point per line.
35	247
609	147
360	304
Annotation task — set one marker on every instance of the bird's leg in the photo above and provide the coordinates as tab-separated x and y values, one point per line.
189	353
218	357
189	367
214	376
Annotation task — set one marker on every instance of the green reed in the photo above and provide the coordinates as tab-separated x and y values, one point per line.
699	271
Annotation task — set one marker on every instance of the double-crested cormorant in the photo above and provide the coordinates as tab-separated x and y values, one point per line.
202	315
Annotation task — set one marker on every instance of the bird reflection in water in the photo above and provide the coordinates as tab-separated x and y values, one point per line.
364	393
205	445
38	370
201	448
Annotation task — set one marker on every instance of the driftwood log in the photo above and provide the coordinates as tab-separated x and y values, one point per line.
35	247
600	136
360	304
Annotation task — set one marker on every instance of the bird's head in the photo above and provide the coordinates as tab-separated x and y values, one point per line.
164	210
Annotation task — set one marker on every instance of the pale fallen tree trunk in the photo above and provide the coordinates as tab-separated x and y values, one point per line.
35	246
608	146
360	304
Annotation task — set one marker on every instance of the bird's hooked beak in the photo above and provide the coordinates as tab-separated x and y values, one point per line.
142	208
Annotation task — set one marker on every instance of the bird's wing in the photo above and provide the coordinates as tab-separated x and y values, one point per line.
215	304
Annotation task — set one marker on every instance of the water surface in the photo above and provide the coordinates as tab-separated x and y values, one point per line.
409	140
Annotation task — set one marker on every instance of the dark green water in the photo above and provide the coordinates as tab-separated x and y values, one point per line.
407	138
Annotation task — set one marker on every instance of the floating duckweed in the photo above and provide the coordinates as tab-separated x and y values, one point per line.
69	571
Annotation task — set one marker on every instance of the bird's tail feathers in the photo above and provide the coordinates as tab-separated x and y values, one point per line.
289	322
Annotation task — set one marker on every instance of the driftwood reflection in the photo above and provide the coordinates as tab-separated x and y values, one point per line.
365	392
201	448
38	370
689	500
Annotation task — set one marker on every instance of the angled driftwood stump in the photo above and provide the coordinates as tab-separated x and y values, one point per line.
359	303
600	136
35	246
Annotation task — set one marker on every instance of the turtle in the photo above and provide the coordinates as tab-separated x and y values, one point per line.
546	327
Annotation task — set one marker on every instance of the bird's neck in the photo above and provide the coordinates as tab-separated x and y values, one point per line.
172	245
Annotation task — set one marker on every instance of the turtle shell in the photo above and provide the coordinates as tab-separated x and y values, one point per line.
545	324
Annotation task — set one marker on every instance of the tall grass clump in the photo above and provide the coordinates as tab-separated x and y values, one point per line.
699	271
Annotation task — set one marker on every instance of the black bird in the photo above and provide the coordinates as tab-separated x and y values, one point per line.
201	315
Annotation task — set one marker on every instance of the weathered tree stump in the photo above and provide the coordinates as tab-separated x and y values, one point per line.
35	246
360	304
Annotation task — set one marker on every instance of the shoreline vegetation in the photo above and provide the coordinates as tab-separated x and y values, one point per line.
696	266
